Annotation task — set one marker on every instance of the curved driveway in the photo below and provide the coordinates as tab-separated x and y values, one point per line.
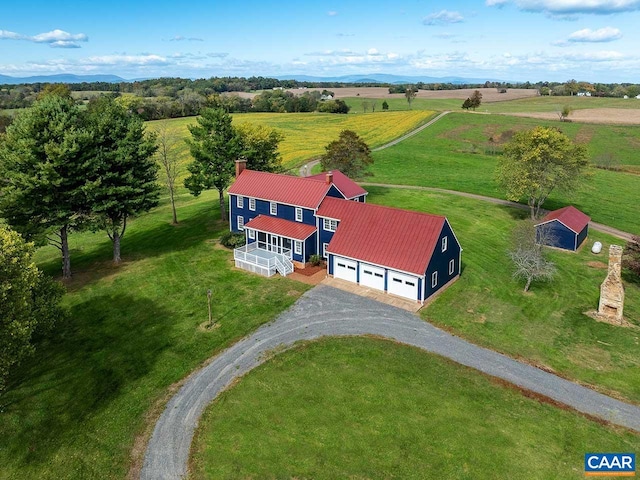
325	311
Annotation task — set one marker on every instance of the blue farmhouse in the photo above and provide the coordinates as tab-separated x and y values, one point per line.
566	228
287	219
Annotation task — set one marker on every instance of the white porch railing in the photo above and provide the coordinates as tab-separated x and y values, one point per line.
260	260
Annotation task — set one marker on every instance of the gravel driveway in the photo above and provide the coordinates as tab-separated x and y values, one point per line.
325	311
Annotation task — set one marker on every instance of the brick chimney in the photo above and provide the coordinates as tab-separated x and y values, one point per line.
241	164
329	178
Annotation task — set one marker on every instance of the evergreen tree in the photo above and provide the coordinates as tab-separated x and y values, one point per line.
44	165
124	182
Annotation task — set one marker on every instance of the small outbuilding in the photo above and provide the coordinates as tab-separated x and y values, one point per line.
566	228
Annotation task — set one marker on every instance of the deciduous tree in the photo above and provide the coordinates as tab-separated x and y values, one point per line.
168	158
44	167
410	93
29	301
476	99
349	154
527	254
259	146
124	182
536	162
214	146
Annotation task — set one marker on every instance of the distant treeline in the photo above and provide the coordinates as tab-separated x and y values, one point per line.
177	97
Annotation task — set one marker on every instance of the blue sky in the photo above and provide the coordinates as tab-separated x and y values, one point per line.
517	40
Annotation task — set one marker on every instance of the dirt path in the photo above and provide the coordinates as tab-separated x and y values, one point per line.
325	311
305	170
498	201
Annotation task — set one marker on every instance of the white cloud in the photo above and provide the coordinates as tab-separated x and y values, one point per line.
606	34
55	38
564	7
443	17
332	13
181	38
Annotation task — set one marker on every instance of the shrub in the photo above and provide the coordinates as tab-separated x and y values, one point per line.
232	240
315	260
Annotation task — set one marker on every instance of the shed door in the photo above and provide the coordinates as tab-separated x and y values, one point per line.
345	269
403	285
371	276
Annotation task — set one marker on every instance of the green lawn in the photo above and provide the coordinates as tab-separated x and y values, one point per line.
546	327
73	410
452	154
364	408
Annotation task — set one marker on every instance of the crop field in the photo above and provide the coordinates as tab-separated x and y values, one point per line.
454	154
306	134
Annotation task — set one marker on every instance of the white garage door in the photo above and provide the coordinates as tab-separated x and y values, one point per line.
345	269
371	276
403	285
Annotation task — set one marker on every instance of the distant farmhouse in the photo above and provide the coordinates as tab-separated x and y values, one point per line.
288	219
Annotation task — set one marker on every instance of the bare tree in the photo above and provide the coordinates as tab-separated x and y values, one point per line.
527	253
169	160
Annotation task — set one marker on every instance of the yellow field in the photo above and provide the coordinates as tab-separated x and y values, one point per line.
306	134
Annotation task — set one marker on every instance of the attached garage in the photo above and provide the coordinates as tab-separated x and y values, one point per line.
403	285
345	269
371	276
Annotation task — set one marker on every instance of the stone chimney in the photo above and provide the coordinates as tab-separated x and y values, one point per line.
241	164
612	291
329	178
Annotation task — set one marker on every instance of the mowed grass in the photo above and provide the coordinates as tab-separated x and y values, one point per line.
545	327
306	134
366	408
74	409
452	154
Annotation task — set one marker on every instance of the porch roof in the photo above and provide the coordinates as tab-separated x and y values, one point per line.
283	228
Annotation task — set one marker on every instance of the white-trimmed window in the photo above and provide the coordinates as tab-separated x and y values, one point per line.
240	201
252	234
452	266
252	204
330	225
444	244
357	199
434	279
324	250
273	208
298	214
240	222
297	247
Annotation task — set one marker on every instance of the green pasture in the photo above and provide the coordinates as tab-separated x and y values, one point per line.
454	153
362	408
545	327
74	409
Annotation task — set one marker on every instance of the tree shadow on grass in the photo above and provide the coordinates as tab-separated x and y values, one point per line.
108	344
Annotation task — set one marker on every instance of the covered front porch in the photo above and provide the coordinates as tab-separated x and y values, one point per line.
273	245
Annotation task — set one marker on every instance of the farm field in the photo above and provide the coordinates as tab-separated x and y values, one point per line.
368	408
306	134
452	154
75	409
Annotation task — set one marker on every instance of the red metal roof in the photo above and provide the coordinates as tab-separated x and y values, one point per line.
570	216
399	239
274	187
348	187
284	228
